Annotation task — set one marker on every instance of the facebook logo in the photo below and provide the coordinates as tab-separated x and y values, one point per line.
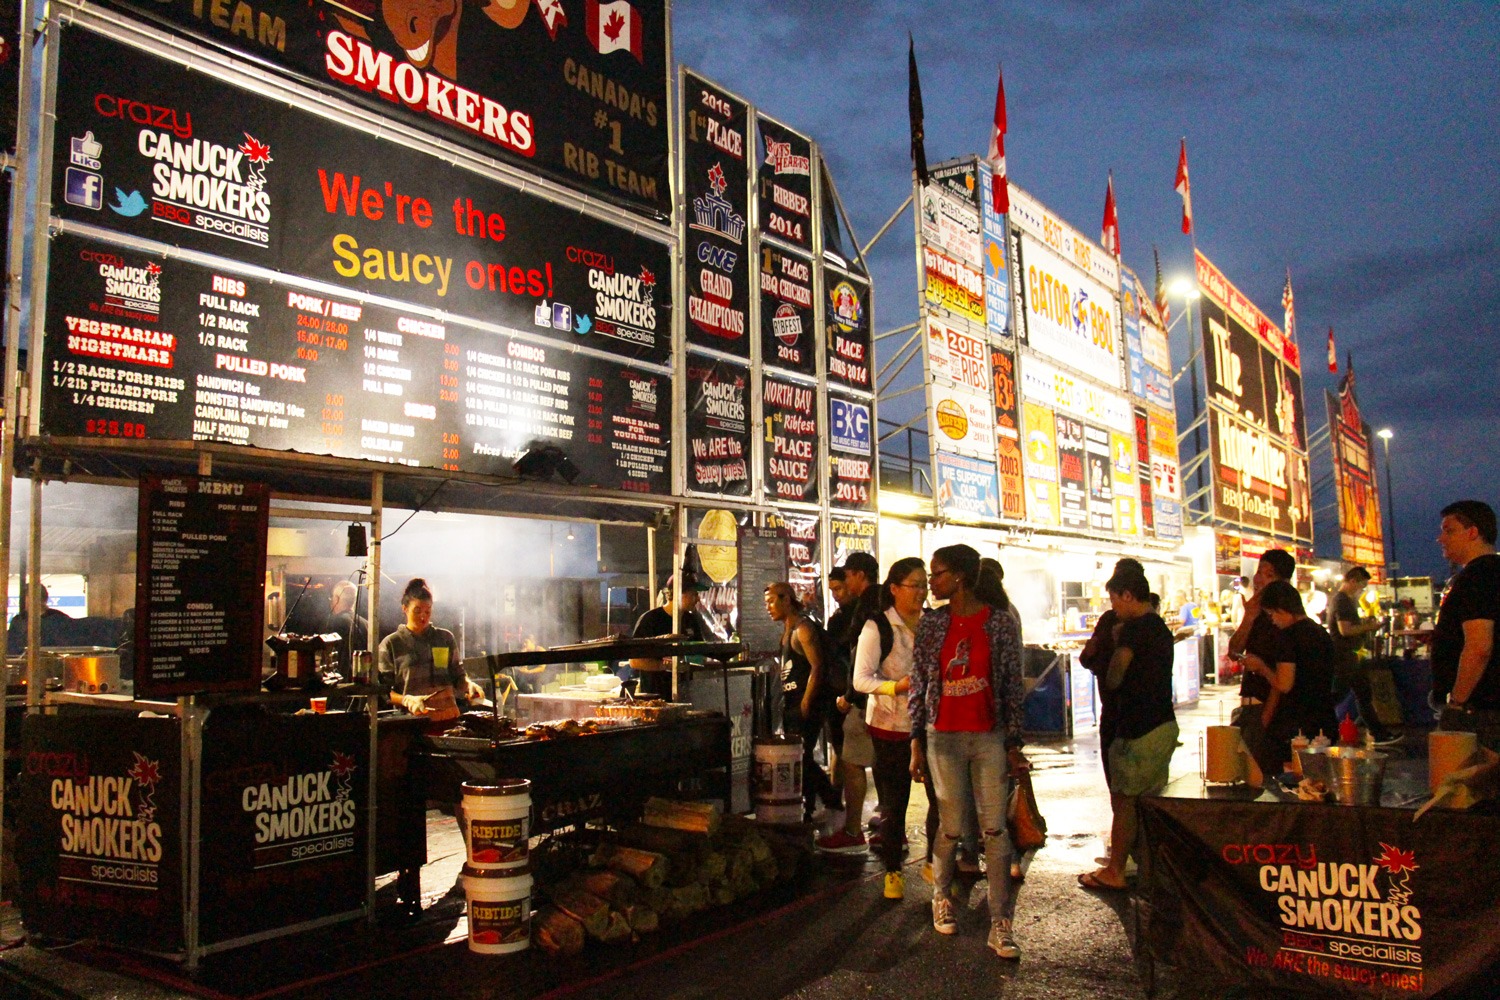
84	189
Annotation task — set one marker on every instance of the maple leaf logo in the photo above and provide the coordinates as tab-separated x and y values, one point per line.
1396	861
144	772
153	268
647	278
255	151
613	25
716	179
343	764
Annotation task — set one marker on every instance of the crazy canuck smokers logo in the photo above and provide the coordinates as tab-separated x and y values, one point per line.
108	828
301	816
1352	922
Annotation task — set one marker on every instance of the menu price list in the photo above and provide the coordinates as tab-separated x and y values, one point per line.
199	603
143	348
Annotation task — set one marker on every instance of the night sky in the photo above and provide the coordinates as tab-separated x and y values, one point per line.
1354	143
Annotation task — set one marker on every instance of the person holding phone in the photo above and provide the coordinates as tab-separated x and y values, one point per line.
421	662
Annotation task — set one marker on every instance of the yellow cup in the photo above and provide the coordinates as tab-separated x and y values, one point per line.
440	657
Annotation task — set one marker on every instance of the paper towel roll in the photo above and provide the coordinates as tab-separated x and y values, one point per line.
1446	753
1224	762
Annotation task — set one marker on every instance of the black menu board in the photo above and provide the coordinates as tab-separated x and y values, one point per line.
788	332
785	183
145	348
847	328
199	585
791	416
716	182
229	173
718	426
763	561
578	93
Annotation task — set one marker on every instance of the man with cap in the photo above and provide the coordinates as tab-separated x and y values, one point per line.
857	595
655	672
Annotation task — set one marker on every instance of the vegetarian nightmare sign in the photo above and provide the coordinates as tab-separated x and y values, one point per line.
164	153
143	348
577	91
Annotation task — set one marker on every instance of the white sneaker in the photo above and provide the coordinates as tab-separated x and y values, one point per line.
1001	942
943	920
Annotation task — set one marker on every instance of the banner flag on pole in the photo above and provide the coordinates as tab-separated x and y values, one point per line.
1333	354
1183	188
1109	233
999	183
1162	305
914	108
1289	308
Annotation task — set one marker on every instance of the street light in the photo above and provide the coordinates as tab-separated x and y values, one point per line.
1385	434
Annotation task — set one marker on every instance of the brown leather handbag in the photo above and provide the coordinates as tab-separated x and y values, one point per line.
1028	830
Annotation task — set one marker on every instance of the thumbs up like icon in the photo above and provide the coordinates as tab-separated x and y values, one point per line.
88	146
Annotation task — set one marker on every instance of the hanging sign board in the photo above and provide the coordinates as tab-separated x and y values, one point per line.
199	585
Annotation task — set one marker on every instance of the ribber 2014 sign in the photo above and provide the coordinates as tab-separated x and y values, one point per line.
578	91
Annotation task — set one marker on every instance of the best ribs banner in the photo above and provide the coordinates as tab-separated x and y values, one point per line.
1322	899
576	91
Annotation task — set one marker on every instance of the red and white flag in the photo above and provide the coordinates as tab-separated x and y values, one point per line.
1289	309
614	27
553	16
999	183
1183	188
1109	232
1333	354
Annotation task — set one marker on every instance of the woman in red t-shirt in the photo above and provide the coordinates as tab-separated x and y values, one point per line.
965	708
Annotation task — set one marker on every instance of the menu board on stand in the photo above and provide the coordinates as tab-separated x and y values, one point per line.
199	587
763	561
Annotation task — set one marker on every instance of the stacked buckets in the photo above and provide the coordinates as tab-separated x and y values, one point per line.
497	878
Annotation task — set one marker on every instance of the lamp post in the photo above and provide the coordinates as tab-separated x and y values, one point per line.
1188	292
1385	434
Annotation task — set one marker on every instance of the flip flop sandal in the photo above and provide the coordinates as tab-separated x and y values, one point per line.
1092	881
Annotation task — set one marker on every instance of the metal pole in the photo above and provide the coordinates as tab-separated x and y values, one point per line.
372	702
888	224
1390	505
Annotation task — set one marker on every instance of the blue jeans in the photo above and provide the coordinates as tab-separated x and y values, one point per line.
972	767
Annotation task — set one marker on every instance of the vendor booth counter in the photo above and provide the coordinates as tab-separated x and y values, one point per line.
1249	890
207	824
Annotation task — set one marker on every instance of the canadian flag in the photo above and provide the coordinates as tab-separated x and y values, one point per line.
614	27
1333	354
1109	232
1185	189
999	183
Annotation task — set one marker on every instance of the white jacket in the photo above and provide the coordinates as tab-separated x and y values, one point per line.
884	711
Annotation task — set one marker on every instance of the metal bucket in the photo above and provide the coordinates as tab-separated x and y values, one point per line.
1354	776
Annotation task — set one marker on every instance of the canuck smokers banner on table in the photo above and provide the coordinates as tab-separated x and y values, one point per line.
180	157
100	844
576	90
285	798
1322	899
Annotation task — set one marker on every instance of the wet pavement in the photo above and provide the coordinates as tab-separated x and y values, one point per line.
831	935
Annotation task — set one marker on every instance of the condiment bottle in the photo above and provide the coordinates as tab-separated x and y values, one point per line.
1321	741
1299	743
1348	731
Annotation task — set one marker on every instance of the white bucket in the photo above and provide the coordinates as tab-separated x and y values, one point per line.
778	779
498	819
499	909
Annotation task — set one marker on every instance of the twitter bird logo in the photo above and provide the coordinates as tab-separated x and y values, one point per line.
582	324
131	204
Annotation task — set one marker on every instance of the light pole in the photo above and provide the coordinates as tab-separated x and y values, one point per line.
1385	434
1188	292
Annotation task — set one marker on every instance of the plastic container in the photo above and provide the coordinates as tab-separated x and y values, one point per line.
499	909
498	819
778	779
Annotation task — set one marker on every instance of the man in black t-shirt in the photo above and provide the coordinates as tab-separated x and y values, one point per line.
1465	661
1257	635
656	673
1140	678
1349	631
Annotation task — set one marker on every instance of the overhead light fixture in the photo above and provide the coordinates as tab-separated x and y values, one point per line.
1185	289
1385	433
569	535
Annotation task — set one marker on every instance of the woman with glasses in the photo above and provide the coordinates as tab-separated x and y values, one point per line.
965	708
882	668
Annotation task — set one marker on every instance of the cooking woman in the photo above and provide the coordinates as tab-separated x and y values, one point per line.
422	661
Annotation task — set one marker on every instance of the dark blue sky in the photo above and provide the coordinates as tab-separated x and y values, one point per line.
1355	143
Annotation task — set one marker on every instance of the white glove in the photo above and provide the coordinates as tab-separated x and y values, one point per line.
414	703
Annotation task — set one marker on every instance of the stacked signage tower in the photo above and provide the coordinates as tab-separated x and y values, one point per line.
780	408
1048	379
1258	492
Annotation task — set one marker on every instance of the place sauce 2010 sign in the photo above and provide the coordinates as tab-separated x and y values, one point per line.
139	347
579	92
148	147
